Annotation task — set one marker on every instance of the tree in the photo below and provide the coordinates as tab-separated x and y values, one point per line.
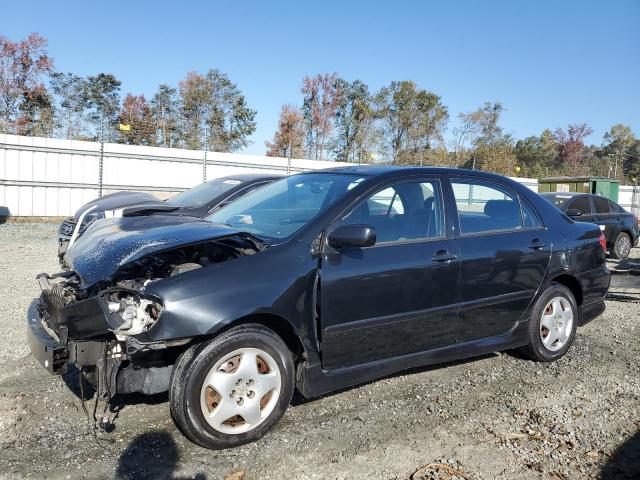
618	143
136	113
166	111
288	141
36	113
476	128
71	92
231	122
538	156
410	119
354	121
319	108
497	157
632	163
103	100
571	144
22	64
215	105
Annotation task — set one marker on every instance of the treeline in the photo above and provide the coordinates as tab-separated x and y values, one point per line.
35	99
403	124
336	119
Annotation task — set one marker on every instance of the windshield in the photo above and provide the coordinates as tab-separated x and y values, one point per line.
283	207
203	193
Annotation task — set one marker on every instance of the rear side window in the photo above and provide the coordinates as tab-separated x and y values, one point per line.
530	218
486	207
601	204
582	204
615	208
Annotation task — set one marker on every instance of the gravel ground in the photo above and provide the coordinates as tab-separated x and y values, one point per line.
499	416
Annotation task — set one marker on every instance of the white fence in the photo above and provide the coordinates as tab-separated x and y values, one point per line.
53	177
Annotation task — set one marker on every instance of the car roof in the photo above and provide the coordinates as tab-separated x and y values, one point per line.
397	171
567	194
250	177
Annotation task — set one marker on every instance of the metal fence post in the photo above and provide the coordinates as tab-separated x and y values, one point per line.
101	158
204	160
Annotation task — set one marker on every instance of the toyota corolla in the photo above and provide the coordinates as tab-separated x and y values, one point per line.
318	281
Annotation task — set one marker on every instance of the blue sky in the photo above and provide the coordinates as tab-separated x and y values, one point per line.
549	62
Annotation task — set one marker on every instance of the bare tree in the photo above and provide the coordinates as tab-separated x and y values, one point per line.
22	64
321	98
288	141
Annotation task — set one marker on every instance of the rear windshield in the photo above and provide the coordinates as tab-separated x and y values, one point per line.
204	193
558	200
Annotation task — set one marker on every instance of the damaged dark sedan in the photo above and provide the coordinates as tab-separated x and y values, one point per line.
318	281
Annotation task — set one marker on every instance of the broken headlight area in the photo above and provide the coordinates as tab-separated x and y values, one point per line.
129	312
100	328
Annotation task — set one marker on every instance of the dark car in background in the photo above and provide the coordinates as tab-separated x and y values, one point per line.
318	281
198	201
620	227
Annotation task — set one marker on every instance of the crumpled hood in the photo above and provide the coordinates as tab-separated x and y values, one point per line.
111	243
117	200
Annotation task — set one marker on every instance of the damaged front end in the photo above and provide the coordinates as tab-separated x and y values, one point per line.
101	328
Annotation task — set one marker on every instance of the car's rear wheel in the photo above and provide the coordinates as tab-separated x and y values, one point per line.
622	246
553	324
231	390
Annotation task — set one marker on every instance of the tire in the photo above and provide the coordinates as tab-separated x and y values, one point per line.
263	397
622	246
556	308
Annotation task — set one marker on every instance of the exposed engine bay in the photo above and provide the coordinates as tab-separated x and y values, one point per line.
96	326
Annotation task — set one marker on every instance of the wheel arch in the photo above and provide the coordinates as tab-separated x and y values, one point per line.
277	324
572	283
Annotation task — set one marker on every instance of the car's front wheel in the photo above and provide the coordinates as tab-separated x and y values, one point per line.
231	390
553	324
622	246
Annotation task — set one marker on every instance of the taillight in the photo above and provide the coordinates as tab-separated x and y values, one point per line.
603	242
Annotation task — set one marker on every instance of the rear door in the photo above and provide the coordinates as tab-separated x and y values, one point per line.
398	296
505	251
604	218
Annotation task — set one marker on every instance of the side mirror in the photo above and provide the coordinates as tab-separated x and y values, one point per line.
573	212
352	236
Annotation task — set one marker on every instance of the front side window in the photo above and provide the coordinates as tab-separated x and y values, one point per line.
280	209
485	207
581	204
403	211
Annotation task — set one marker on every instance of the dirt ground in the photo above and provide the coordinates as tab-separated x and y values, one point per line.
499	416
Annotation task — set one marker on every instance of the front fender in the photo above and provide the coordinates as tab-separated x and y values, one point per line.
204	301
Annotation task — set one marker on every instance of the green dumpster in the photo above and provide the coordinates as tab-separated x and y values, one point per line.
603	186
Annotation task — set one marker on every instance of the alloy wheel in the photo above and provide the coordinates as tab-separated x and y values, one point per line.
624	246
556	324
240	391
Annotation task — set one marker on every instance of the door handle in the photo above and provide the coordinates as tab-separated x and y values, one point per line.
443	256
537	244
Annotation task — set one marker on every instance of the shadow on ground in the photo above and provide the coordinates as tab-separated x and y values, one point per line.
152	455
625	461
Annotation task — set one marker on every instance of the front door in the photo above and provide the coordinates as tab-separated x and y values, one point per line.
397	296
504	255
